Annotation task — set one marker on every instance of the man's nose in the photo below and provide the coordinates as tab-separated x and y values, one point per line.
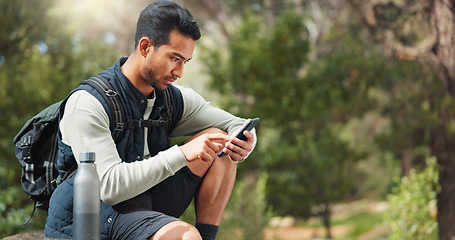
178	71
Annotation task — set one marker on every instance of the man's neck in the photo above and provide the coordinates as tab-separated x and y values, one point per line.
131	69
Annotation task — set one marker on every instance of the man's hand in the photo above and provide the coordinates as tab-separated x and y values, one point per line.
204	147
238	149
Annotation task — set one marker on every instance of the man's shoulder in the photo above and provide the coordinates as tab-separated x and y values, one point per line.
176	87
186	92
176	92
83	100
182	88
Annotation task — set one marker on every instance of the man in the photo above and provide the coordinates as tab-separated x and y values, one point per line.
145	184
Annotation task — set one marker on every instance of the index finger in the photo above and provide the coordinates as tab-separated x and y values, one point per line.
217	136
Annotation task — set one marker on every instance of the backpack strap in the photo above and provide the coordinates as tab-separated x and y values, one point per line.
164	120
131	124
111	97
102	85
170	110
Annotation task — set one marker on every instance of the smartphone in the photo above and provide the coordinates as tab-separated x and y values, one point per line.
249	124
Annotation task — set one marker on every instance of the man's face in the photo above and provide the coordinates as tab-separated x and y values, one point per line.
165	64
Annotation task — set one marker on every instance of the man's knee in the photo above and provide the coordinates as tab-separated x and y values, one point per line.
200	168
177	230
214	130
206	131
211	131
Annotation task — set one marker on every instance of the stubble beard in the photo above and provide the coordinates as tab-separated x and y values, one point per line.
152	80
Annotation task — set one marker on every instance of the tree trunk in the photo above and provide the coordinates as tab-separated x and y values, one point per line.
406	161
326	219
441	146
444	24
442	140
269	14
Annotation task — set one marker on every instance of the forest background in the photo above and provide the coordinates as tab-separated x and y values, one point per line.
356	100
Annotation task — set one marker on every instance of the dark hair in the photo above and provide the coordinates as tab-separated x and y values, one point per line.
158	19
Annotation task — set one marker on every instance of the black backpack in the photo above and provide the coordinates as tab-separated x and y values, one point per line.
36	143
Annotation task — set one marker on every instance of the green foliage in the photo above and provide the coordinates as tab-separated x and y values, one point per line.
263	74
260	62
324	114
247	213
411	213
410	90
22	23
40	63
15	209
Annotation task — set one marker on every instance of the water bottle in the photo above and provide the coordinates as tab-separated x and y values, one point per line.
86	201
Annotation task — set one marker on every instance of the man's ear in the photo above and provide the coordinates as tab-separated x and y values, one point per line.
145	45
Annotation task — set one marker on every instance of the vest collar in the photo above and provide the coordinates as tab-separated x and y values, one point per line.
132	92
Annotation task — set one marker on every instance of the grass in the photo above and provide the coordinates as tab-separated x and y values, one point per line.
359	223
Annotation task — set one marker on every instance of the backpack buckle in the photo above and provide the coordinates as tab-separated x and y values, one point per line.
26	142
111	93
26	145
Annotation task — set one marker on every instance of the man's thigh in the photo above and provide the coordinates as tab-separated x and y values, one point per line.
139	224
143	215
174	194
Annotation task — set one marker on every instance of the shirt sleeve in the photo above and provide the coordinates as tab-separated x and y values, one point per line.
198	114
85	117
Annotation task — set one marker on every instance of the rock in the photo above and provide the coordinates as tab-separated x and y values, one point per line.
28	236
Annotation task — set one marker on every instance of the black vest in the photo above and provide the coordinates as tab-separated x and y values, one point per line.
130	148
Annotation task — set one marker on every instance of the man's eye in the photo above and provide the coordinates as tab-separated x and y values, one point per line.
176	59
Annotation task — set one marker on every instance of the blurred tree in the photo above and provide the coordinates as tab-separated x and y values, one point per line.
264	74
247	205
21	22
410	92
423	31
226	15
40	62
310	100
